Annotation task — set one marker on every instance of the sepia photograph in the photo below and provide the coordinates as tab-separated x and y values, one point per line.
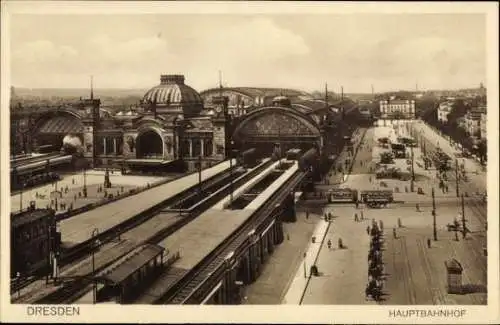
249	156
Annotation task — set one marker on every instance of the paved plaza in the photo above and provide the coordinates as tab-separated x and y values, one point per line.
414	272
94	180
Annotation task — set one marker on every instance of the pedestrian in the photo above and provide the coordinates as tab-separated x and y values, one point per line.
79	194
394	232
307	214
356	217
417	207
287	237
399	223
362	216
329	244
368	230
341	245
428	243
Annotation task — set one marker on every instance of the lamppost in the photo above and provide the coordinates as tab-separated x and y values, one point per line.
231	151
21	197
305	267
464	230
457	177
84	182
18	278
412	184
95	244
434	215
199	175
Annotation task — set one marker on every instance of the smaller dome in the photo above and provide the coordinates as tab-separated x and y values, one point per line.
282	101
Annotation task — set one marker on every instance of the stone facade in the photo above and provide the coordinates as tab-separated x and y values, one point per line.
393	108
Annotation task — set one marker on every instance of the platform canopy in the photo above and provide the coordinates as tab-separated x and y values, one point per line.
125	267
147	162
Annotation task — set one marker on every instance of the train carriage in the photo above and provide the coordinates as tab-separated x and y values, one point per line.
248	158
309	159
293	154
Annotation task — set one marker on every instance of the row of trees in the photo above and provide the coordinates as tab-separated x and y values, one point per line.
453	129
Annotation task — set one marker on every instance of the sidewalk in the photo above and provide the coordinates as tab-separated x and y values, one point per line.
303	273
343	272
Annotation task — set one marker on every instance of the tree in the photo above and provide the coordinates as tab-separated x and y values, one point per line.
386	158
482	150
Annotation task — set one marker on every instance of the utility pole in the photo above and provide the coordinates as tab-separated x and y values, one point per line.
412	185
457	176
21	198
464	228
199	175
55	199
84	182
434	215
231	174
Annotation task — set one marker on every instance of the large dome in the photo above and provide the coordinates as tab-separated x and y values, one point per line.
173	96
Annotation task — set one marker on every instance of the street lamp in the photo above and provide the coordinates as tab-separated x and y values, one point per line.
434	215
18	278
84	182
95	244
305	267
412	185
231	151
199	175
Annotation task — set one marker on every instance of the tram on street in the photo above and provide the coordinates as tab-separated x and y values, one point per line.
377	198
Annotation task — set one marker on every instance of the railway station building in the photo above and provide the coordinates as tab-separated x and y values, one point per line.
173	122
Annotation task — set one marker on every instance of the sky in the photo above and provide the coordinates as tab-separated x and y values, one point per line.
302	51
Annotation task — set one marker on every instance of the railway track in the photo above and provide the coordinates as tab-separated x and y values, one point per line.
184	291
17	285
71	291
30	160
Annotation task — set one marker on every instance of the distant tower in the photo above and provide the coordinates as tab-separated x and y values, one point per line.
326	94
373	92
13	92
91	87
222	123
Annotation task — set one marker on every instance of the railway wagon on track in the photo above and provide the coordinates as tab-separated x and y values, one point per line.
293	154
249	158
34	239
309	159
377	198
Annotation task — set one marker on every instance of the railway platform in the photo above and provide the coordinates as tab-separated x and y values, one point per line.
201	237
77	229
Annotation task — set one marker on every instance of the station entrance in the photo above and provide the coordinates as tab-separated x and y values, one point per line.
149	145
